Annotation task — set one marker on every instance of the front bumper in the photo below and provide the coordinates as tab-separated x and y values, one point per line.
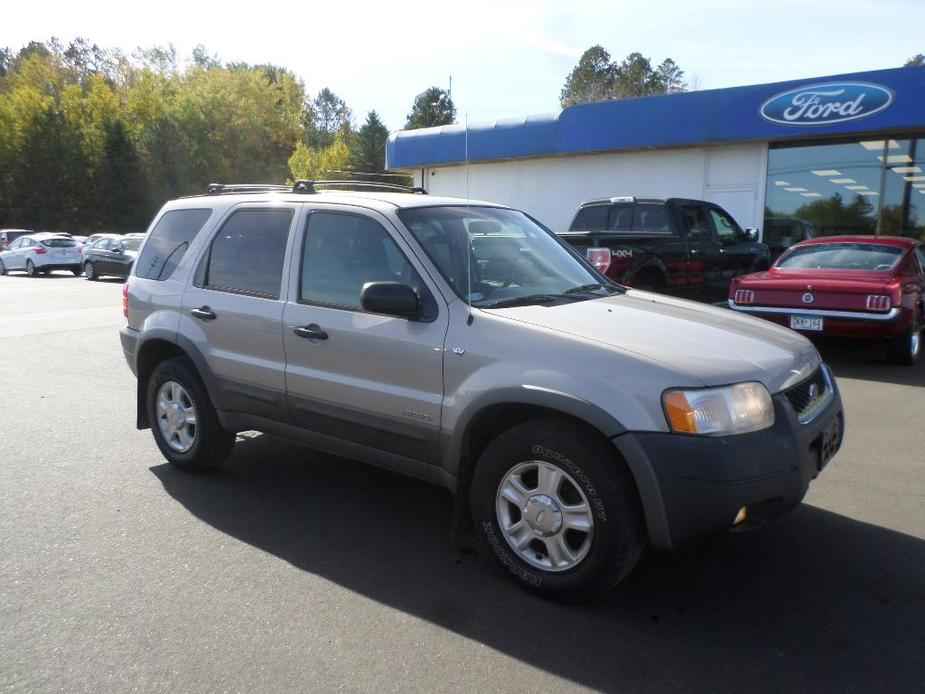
704	481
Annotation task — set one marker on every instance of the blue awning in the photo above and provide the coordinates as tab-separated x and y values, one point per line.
850	104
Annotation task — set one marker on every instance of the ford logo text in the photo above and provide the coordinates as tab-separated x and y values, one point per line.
829	102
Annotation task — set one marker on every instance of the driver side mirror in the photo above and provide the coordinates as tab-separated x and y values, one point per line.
752	234
390	299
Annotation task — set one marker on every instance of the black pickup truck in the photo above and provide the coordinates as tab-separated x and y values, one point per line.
689	248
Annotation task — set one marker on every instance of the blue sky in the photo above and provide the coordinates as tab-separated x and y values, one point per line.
506	58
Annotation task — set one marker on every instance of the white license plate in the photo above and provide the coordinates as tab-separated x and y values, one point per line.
806	322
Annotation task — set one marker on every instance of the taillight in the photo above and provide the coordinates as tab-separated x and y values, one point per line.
39	250
599	259
744	297
878	302
125	299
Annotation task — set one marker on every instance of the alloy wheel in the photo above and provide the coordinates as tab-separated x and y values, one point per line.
176	416
544	515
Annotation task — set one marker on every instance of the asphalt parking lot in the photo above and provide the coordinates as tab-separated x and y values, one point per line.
289	570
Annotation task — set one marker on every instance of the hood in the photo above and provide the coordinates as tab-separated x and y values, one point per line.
715	346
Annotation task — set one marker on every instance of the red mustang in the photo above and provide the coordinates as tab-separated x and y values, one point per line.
845	286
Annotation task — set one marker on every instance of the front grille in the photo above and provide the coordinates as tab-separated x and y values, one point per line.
806	397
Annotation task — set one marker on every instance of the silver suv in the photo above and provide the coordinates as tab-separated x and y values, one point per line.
576	421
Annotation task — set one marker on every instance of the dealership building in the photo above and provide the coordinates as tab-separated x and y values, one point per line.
845	153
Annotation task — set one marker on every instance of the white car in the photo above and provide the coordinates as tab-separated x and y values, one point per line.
42	252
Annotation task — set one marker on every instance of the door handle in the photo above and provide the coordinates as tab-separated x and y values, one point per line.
311	331
204	313
722	250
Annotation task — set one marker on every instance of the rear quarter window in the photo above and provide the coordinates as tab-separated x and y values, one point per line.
591	218
168	242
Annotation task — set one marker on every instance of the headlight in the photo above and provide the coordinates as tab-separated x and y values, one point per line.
736	409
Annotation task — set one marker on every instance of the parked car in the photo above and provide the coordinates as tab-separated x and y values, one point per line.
780	233
688	248
575	420
7	236
844	286
111	255
42	252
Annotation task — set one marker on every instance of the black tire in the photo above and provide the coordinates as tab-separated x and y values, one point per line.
649	281
212	443
2	268
77	271
90	272
618	537
906	349
30	268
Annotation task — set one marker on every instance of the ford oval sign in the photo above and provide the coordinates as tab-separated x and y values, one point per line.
826	103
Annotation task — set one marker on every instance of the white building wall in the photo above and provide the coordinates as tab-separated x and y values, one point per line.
551	188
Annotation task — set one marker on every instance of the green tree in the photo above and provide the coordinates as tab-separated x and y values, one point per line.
598	78
917	60
368	151
123	186
332	162
432	107
324	117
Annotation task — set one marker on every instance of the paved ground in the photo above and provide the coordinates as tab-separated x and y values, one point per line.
289	570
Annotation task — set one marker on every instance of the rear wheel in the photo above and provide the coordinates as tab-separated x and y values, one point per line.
182	418
77	271
906	348
30	268
2	268
89	271
558	509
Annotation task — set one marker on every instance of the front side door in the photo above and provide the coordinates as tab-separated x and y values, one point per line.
233	310
703	273
15	258
364	380
737	253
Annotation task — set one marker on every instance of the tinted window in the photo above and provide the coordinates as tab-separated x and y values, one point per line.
920	252
621	218
591	218
841	256
725	228
168	242
247	253
58	243
648	217
695	223
342	252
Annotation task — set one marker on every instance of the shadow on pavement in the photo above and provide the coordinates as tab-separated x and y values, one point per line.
817	602
866	360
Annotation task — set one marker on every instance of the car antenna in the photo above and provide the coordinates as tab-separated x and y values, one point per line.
468	237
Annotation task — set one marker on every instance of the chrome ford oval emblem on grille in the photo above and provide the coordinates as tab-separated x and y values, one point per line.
808	298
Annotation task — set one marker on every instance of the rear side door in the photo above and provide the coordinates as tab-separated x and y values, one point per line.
233	309
371	384
703	263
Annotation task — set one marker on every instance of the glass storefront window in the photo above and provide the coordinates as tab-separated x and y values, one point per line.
903	211
859	186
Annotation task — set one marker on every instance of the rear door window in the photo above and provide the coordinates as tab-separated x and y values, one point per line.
651	217
246	256
169	241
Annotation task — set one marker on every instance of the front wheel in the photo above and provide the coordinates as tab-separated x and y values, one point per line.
907	347
89	271
558	509
182	418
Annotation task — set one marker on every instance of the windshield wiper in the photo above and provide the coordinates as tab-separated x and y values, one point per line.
527	300
585	288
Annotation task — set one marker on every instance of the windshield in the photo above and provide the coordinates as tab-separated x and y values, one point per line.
131	244
841	256
513	260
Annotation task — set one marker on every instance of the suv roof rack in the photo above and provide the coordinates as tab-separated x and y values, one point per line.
304	185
